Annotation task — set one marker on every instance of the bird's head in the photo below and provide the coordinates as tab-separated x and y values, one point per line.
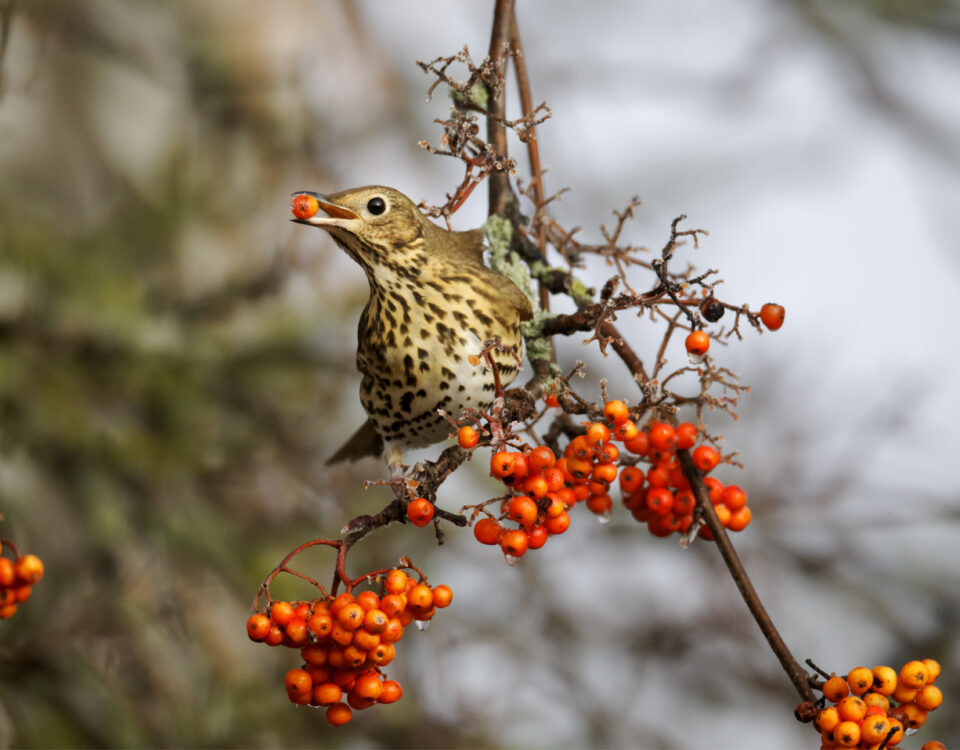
374	224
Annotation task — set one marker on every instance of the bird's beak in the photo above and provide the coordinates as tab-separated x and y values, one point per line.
337	215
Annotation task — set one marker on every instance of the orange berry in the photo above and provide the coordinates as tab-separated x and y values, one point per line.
514	542
320	623
933	668
488	531
375	621
734	497
314	655
904	694
898	734
715	488
341	635
351	616
684	502
772	315
615	411
29	569
523	509
396	582
258	626
536	486
558	524
933	745
420	596
686	435
304	206
368	600
420	511
7	574
520	467
929	697
604	473
382	654
281	613
625	431
659	500
860	680
723	515
697	343
354	656
663	437
599	504
828	719
550	400
739	520
874	729
639	445
392	692
275	636
597	434
914	716
608	453
302	610
835	689
631	478
340	602
392	604
442	596
296	632
554	478
884	680
339	714
502	463
467	437
298	681
914	674
852	708
877	700
536	536
369	686
659	476
847	734
581	447
705	458
541	458
326	693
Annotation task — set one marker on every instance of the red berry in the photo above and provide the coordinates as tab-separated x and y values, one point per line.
304	206
487	531
697	343
772	315
663	437
514	542
615	411
705	458
686	435
467	437
420	511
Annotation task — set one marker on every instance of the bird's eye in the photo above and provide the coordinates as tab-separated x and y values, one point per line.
376	206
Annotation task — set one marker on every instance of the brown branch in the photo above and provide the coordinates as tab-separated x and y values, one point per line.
501	197
797	674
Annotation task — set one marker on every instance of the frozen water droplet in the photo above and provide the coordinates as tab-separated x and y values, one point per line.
695	359
511	559
604	518
422	624
911	730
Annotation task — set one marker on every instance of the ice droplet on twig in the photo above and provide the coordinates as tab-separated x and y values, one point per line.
511	559
695	359
422	624
604	518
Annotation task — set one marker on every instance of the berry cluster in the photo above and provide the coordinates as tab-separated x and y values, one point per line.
539	508
863	714
17	578
544	488
345	641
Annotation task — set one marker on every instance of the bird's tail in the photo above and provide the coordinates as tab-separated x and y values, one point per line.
364	442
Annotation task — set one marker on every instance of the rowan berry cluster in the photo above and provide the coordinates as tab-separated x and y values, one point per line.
875	707
539	508
345	641
17	578
545	488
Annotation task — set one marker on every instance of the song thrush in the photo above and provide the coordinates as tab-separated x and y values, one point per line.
433	303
